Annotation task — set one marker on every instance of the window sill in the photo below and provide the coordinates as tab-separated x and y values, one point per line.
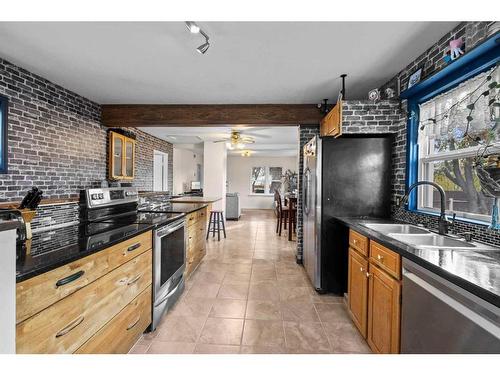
260	195
462	219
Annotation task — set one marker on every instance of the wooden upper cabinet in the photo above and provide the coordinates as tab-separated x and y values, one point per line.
331	125
358	290
121	156
384	311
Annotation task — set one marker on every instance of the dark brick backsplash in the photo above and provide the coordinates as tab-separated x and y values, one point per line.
56	140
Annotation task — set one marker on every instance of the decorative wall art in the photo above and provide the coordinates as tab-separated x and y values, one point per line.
415	78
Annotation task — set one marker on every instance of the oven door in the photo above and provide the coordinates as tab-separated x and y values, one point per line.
169	259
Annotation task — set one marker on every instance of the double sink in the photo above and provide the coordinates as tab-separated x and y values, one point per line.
422	238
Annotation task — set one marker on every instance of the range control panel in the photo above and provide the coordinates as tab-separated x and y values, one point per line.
102	197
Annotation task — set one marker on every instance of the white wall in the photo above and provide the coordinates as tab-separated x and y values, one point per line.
184	168
238	176
215	173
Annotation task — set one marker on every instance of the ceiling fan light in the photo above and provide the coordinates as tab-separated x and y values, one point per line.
203	48
240	145
193	27
229	145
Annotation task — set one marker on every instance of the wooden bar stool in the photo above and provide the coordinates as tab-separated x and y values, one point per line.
216	217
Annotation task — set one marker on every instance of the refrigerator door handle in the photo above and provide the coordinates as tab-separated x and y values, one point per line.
307	190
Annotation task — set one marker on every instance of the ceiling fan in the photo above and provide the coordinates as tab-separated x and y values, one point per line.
236	140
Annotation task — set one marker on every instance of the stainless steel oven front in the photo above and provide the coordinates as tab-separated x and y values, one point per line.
169	257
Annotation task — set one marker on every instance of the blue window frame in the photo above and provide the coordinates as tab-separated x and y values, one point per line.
474	62
3	134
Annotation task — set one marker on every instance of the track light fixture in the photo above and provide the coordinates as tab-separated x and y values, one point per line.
195	29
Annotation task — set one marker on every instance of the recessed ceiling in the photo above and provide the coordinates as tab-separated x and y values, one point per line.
248	62
269	141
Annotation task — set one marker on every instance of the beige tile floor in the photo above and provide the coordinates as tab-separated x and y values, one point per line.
249	296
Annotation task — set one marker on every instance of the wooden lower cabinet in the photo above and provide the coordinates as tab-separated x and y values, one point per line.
66	325
120	334
358	290
39	292
384	312
196	245
374	293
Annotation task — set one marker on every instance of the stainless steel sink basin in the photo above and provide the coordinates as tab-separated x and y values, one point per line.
397	228
431	240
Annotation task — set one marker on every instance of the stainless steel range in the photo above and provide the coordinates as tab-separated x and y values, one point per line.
119	206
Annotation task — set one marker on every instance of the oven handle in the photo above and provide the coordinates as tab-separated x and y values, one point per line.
169	294
167	229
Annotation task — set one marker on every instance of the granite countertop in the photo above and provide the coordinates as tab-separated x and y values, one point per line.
55	248
187	208
8	225
475	271
194	199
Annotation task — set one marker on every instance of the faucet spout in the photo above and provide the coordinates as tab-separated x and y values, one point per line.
443	221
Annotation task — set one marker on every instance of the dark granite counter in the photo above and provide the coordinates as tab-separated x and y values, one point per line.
475	271
8	225
194	199
187	208
55	248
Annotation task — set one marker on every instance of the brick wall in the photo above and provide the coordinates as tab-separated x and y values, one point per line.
306	133
473	33
56	140
431	60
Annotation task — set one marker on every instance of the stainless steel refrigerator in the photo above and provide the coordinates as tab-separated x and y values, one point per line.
348	176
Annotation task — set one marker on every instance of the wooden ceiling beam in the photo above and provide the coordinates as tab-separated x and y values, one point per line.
142	115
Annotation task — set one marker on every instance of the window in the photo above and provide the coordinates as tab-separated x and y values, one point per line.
3	134
264	180
445	156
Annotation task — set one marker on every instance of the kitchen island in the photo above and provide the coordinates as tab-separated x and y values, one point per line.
192	199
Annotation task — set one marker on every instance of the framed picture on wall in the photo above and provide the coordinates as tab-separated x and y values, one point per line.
415	78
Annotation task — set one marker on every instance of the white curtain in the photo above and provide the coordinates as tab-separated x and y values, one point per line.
453	125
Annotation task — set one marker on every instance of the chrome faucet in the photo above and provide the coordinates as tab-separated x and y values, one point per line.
443	223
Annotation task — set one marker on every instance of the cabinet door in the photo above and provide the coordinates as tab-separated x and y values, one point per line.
358	290
116	156
383	311
129	156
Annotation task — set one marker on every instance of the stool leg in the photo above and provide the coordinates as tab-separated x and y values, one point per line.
209	224
281	222
223	225
218	226
286	218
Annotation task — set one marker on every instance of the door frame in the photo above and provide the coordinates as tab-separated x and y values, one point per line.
164	169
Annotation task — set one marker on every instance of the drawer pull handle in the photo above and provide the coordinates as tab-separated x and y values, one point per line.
361	269
134	247
69	279
134	280
133	324
368	275
354	241
70	326
380	257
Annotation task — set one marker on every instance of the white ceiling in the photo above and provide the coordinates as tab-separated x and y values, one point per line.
269	141
249	62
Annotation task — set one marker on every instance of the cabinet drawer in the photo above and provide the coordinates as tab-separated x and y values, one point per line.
64	326
386	259
197	229
37	293
358	242
121	332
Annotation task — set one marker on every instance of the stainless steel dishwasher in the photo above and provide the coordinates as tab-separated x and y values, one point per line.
440	317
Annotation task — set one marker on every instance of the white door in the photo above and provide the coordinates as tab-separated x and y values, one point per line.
160	171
